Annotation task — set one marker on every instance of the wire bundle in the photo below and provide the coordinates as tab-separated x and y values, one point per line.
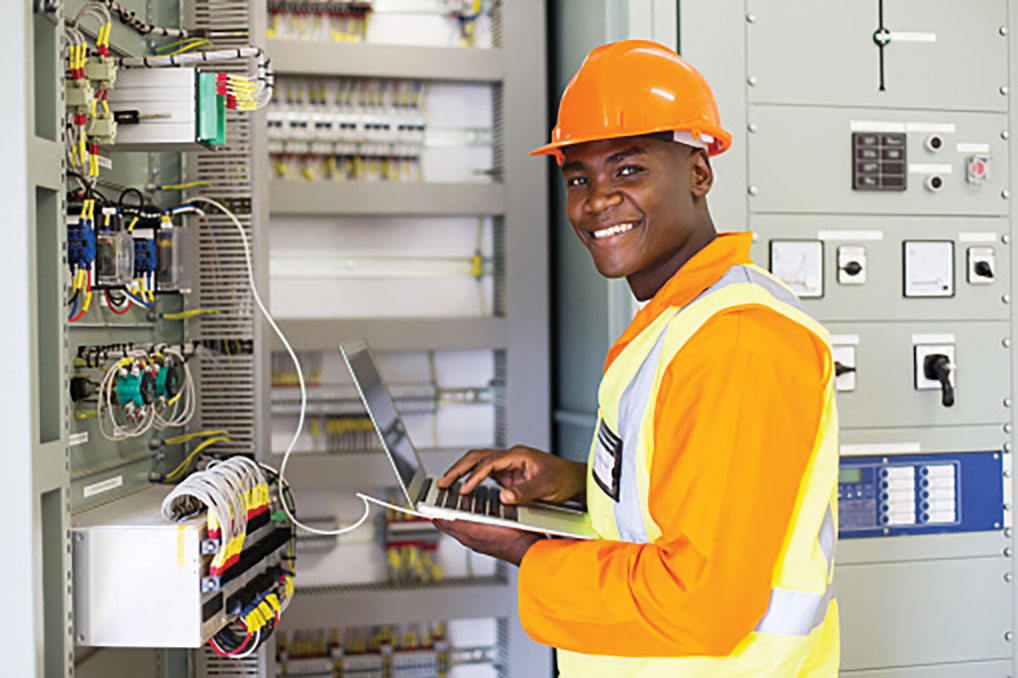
83	270
166	411
130	18
261	81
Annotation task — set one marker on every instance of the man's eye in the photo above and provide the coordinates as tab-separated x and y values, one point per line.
572	182
629	170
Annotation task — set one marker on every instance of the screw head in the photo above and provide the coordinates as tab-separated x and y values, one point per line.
1007	447
1006	298
1008	636
751	18
752	81
1008	576
1005	194
1004	90
1007	402
752	127
1005	238
1007	428
753	190
1007	551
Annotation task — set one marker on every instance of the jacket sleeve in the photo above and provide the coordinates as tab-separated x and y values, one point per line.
736	420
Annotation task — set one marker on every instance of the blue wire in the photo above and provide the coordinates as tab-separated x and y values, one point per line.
74	308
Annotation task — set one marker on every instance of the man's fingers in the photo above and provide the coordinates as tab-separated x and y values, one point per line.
465	463
487	466
528	490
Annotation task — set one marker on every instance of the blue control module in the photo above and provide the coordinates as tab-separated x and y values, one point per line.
920	494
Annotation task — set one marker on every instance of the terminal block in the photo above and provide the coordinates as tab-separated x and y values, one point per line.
102	70
144	257
81	245
103	129
78	94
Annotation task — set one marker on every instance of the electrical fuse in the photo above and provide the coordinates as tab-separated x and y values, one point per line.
114	264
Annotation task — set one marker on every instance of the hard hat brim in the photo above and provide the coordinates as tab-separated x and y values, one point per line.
722	141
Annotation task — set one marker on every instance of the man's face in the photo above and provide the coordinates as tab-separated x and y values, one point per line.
631	202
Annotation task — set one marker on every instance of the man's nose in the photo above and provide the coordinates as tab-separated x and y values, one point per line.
603	199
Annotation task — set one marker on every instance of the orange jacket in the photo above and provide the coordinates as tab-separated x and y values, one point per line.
737	416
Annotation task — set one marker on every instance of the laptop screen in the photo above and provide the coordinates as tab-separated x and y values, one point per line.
382	410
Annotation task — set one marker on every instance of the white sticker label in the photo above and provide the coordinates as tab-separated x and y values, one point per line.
850	235
875	126
933	339
845	339
977	237
905	36
78	439
922	168
866	449
105	486
930	127
973	148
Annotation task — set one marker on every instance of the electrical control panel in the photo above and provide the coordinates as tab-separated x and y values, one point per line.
920	494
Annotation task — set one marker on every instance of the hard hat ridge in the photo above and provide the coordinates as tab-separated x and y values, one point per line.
635	87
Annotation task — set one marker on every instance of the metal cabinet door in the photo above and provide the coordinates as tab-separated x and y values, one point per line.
942	54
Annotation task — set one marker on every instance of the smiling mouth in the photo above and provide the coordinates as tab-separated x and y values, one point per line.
615	229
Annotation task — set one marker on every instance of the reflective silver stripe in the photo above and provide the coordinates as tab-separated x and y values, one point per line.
795	613
632	407
737	275
827	537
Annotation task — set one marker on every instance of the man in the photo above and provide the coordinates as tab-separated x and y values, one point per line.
712	474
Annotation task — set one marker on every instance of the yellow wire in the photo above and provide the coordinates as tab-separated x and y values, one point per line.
187	460
185	315
130	226
188	437
184	186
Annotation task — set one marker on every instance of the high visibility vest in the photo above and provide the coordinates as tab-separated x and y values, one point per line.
797	637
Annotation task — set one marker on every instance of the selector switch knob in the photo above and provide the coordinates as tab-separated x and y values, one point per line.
852	268
983	269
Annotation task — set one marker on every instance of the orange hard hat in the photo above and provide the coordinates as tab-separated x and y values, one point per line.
634	87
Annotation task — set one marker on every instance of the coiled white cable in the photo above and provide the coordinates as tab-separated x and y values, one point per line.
303	390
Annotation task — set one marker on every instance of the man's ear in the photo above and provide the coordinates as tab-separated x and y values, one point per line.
701	175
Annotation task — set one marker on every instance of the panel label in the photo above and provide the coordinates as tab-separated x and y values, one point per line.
105	486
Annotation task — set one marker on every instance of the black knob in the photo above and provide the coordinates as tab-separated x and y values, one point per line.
81	388
840	369
852	268
983	269
937	367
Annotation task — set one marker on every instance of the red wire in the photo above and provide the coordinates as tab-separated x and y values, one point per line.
240	649
113	308
84	305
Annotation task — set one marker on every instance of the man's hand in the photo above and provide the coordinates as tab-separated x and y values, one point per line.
525	473
499	542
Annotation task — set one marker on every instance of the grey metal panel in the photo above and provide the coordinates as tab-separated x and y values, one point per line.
969	54
920	547
700	22
786	178
394	334
380	604
386	61
885	394
354	469
898	614
401	199
881	297
987	669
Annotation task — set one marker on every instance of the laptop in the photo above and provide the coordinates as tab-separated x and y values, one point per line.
421	490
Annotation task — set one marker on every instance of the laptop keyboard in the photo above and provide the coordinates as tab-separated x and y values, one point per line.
483	501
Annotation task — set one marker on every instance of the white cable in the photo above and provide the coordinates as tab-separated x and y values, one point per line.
300	380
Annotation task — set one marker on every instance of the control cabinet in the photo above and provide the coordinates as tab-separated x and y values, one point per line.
872	162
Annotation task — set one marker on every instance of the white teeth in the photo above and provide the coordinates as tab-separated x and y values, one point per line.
613	230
